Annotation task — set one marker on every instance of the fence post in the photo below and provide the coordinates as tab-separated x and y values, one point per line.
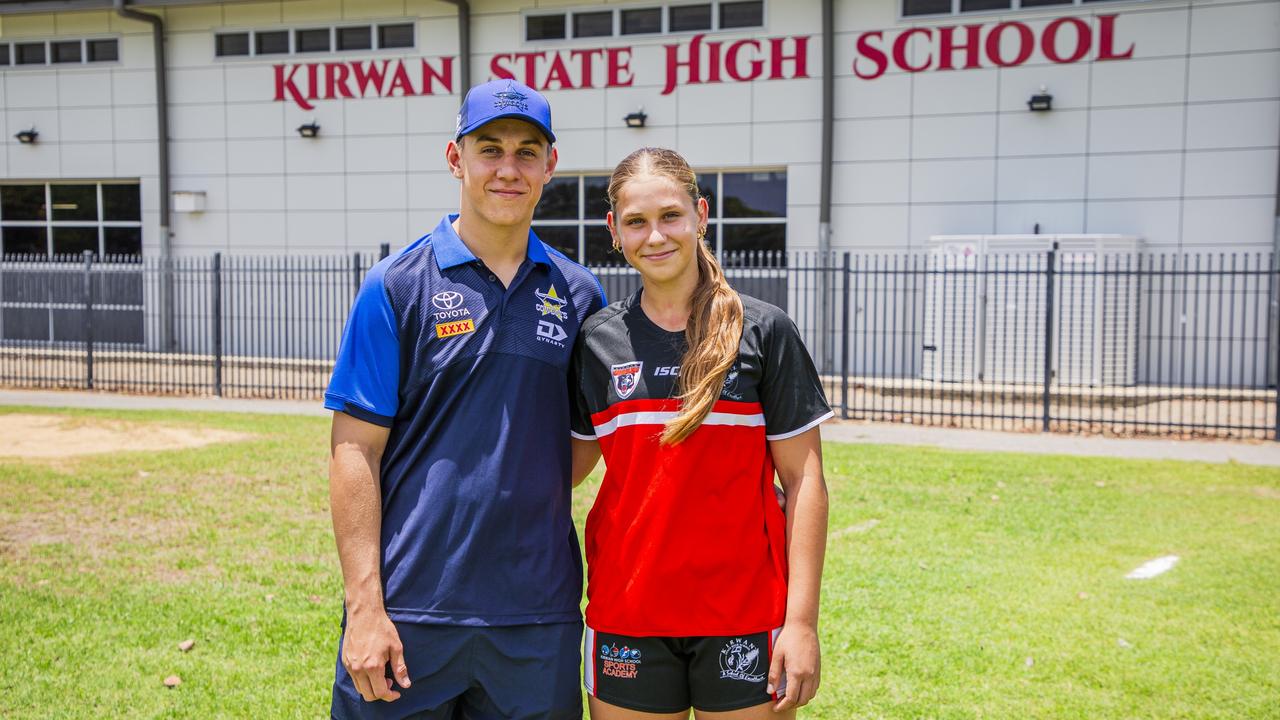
1048	334
844	341
217	324
88	319
355	272
384	250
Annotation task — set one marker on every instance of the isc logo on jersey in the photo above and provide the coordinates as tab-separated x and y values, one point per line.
667	371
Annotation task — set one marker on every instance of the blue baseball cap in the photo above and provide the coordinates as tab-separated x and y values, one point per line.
499	99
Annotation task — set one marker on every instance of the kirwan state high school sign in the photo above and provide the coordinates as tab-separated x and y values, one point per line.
951	47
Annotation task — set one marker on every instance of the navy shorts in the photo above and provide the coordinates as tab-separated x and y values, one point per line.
672	674
523	671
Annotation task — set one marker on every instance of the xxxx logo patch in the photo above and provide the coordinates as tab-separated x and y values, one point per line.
453	329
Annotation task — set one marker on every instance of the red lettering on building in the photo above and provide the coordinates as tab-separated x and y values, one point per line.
741	61
1005	44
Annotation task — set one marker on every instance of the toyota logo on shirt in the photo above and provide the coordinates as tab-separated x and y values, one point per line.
447	300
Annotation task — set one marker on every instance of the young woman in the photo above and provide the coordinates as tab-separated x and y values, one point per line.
701	592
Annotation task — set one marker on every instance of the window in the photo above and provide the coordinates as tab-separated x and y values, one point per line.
950	7
355	38
748	212
741	14
687	18
544	27
642	21
65	51
593	24
311	40
231	44
4	54
29	53
395	36
103	50
275	42
69	218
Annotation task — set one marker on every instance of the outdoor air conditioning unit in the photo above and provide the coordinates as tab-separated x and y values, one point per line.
1000	287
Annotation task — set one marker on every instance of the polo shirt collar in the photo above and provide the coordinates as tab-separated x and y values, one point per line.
450	251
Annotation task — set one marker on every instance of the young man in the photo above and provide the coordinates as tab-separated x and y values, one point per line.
450	464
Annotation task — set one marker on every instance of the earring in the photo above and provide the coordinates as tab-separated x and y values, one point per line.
702	233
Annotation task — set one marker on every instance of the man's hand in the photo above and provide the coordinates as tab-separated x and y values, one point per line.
370	642
795	658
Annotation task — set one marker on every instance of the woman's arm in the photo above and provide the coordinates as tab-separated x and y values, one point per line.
798	461
585	454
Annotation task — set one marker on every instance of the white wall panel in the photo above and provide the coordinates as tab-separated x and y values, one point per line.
928	220
786	142
1136	129
620	102
620	142
1138	82
248	82
715	145
1225	125
1227	223
377	192
971	91
886	96
134	123
193	235
791	100
261	120
1021	218
1135	176
189	50
319	232
1232	28
256	233
374	9
261	192
870	182
1151	31
84	124
1247	76
953	136
1154	220
576	109
251	14
87	160
715	103
581	150
315	192
870	227
430	113
872	139
136	158
375	154
1224	173
138	50
426	152
84	22
1050	178
1052	133
31	89
193	19
370	229
45	122
315	11
254	157
952	181
84	88
321	155
133	87
197	122
432	190
196	85
375	116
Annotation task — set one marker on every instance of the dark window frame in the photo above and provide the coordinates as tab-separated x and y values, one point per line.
1013	6
558	25
373	36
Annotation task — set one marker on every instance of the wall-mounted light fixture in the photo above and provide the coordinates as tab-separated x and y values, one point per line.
636	119
27	137
309	130
1041	101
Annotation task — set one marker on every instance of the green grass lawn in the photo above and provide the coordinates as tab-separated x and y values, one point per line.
957	585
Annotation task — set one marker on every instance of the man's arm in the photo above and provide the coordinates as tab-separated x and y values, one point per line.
798	461
355	500
586	453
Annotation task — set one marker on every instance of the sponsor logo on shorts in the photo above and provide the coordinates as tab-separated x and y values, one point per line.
618	662
740	660
625	377
453	329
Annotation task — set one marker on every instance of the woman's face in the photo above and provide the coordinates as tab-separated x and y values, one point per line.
656	224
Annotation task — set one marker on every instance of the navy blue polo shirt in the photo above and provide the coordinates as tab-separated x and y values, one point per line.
471	379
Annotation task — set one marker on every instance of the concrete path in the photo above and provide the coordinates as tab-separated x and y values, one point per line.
1215	451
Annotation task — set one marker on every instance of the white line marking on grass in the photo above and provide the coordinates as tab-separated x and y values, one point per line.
1152	568
859	528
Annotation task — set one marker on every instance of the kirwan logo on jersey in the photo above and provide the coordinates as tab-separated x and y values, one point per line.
626	376
740	660
452	316
550	303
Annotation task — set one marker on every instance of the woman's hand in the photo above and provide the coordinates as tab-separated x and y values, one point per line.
796	669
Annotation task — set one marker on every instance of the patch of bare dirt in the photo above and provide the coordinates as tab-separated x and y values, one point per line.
58	436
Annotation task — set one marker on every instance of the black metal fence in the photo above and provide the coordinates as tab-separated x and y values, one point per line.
1055	341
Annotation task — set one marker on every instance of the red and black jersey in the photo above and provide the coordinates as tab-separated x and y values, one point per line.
687	539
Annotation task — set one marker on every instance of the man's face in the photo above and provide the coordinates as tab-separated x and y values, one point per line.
503	166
